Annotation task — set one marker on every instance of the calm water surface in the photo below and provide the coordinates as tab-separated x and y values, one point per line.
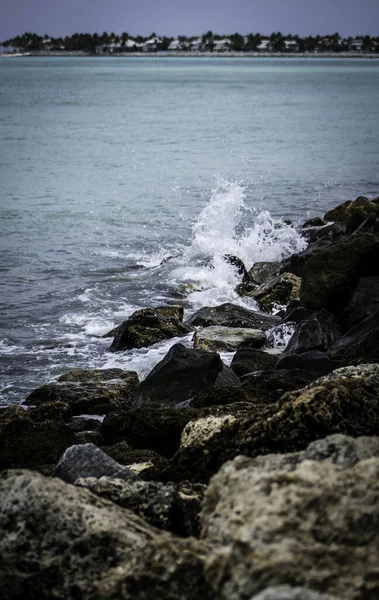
124	179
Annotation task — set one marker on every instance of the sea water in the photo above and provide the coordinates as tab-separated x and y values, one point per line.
124	181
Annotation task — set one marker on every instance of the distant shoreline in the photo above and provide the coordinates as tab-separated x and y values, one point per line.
173	54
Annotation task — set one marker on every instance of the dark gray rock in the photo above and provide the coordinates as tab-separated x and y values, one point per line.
352	214
317	332
359	344
286	592
272	384
87	460
313	360
149	326
226	378
261	272
248	360
232	315
277	291
363	303
183	373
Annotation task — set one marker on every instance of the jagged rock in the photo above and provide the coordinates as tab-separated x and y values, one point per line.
277	291
145	463
217	338
52	411
232	315
261	272
97	375
359	344
225	379
270	385
248	360
220	397
298	261
317	332
314	360
351	214
330	275
87	460
287	592
315	526
29	443
315	222
363	303
181	375
151	428
88	396
64	542
148	326
238	263
172	507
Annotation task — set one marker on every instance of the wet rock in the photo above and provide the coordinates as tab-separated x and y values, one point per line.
172	507
315	526
148	326
287	592
270	385
363	303
240	267
317	332
151	428
181	375
248	360
359	344
145	463
97	375
298	261
262	272
315	222
87	460
225	379
330	275
346	401
314	360
74	544
217	338
88	396
277	291
232	315
52	411
351	214
220	397
29	443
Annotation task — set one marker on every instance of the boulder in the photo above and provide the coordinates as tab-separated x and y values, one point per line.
270	385
97	375
261	272
359	344
314	360
217	338
248	360
317	332
172	507
148	326
287	592
363	303
226	379
64	542
239	265
277	291
150	428
145	463
29	443
351	214
331	275
181	375
297	262
98	395
232	315
314	526
87	460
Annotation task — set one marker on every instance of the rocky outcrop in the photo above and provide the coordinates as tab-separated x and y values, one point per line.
353	214
181	375
171	507
232	315
313	526
89	392
217	338
149	326
87	460
60	541
275	292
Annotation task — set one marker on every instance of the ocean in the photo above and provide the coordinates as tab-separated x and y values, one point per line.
124	181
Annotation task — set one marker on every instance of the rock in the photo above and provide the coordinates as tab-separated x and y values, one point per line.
151	428
148	326
314	360
287	592
277	291
181	375
359	344
315	222
330	275
270	385
220	397
88	396
232	315
298	261
172	507
87	460
317	332
29	443
145	463
240	267
74	544
346	401
351	214
261	272
97	375
52	411
363	303
226	379
217	338
199	432
248	360
315	526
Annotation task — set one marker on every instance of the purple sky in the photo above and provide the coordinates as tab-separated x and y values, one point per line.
189	17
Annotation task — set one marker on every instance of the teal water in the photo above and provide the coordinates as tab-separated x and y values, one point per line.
124	178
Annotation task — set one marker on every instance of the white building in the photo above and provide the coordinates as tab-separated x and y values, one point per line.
151	45
220	45
196	44
291	46
264	46
175	45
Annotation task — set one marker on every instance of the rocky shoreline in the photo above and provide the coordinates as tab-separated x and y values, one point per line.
199	54
254	481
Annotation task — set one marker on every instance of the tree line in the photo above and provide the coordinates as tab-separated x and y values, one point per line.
89	43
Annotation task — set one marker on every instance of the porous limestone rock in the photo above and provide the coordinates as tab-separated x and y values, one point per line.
229	339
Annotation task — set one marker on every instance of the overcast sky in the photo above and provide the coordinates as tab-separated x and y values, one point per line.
189	17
